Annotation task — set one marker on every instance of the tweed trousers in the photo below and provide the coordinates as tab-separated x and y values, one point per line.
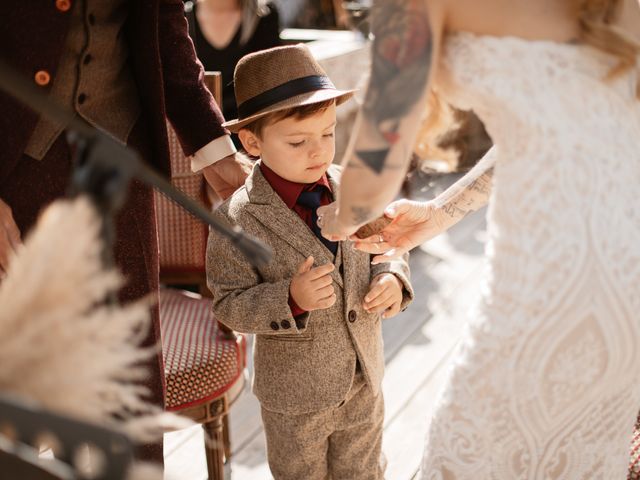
343	442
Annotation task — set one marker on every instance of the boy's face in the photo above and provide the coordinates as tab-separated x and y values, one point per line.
299	150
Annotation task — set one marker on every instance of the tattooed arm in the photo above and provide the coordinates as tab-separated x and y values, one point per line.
414	223
469	193
406	37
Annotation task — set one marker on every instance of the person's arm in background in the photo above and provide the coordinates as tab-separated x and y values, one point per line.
9	237
414	222
340	14
407	37
190	107
269	29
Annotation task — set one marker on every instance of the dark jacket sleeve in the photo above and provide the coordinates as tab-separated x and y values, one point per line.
190	106
268	31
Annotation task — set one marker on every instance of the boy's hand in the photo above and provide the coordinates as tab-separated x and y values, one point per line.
384	295
312	288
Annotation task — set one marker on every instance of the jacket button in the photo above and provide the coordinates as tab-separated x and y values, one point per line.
352	316
285	324
63	5
274	326
42	77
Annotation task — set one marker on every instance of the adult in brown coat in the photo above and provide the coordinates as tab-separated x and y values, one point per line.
123	66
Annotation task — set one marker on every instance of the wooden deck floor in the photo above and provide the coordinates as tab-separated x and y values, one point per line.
446	275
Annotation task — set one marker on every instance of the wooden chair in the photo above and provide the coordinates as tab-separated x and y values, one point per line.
204	361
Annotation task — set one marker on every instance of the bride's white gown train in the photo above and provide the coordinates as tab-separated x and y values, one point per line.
546	384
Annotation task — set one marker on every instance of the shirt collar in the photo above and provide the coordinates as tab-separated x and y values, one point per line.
290	191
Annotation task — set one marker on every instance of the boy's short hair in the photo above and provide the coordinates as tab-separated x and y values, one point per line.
301	112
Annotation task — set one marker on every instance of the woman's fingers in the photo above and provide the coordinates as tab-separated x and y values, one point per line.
377	247
397	208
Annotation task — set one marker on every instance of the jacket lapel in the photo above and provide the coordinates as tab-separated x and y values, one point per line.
269	209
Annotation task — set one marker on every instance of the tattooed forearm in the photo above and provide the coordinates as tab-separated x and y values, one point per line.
463	200
401	56
460	199
453	211
482	185
471	192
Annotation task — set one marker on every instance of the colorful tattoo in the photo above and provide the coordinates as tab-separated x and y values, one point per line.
400	66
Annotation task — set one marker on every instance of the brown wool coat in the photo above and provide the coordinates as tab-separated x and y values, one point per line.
167	74
305	365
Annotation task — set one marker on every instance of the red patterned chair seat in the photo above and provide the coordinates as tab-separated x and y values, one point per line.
200	361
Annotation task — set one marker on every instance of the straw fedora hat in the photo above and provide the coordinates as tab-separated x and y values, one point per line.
277	79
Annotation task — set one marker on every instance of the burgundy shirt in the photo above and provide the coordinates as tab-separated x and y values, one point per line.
289	192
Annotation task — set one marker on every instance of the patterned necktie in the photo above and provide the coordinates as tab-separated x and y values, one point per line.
311	200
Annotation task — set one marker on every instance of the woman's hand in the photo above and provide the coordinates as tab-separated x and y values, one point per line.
413	223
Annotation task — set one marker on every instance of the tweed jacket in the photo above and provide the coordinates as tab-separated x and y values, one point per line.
306	364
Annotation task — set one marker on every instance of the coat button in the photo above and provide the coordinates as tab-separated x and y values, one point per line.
63	5
285	324
274	326
352	316
42	77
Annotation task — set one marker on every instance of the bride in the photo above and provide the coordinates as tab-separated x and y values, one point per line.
545	382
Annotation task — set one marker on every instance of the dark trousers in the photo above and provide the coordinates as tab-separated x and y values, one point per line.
34	184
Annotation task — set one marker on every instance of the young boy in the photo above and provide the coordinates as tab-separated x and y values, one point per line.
315	309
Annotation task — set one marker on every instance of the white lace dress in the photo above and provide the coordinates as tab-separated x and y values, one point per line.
546	384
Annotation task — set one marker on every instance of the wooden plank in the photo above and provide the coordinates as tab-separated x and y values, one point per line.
430	280
184	455
403	440
244	419
414	377
251	462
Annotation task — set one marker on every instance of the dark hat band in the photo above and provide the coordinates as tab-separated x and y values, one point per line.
283	92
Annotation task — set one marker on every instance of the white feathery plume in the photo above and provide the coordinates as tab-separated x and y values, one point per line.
60	344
